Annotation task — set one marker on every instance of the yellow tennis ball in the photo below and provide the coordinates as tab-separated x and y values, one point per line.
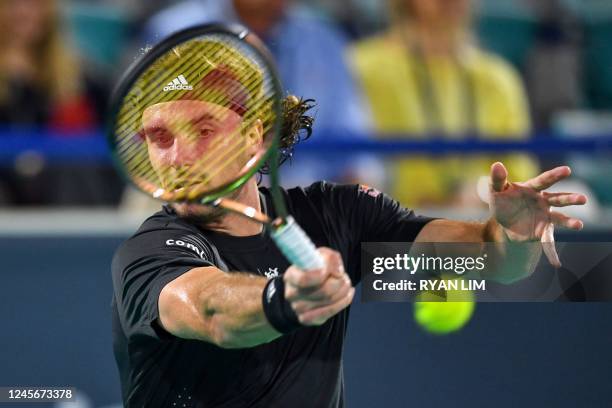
443	317
450	313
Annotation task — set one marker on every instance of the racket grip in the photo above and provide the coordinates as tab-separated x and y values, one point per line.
297	246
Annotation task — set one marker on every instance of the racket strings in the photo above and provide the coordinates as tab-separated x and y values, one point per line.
164	73
141	96
130	118
222	152
154	92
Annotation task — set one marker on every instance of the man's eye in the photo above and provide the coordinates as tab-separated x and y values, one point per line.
206	132
161	138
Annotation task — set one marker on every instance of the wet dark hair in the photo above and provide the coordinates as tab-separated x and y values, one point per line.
296	126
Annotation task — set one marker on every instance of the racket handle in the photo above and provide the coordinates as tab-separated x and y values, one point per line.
297	246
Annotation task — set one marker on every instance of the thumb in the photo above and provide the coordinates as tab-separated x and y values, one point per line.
499	176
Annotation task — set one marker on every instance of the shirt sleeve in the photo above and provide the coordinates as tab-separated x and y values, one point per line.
143	266
353	214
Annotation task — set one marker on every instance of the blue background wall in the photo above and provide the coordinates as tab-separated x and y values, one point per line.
54	309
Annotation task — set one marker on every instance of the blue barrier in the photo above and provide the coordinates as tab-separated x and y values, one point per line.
92	145
54	146
538	145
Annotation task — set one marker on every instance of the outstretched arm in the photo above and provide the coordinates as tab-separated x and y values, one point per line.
520	212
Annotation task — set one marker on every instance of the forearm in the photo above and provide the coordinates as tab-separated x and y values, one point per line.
510	261
218	307
233	306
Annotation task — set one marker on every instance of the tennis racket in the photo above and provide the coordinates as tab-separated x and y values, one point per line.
196	117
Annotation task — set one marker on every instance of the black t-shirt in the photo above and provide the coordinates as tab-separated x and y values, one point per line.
302	369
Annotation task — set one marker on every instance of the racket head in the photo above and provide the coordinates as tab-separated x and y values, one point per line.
197	115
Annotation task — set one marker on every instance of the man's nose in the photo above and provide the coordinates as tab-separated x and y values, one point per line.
182	153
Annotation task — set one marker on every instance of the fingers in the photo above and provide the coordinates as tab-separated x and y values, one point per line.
320	315
326	291
499	177
565	199
563	220
548	245
317	295
333	262
332	295
296	279
548	178
314	278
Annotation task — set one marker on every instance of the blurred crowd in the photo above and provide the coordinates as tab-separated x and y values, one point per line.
452	69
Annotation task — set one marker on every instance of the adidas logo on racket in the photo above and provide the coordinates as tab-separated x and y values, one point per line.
178	84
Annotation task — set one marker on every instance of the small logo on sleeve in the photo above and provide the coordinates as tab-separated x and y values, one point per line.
188	245
371	191
271	273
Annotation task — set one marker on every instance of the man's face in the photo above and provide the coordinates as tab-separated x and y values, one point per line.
195	145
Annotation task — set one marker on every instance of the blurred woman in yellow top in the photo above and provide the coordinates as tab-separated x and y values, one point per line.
426	76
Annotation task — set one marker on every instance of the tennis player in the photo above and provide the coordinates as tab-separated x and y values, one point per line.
206	310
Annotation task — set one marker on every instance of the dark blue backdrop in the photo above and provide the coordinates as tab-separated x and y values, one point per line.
54	310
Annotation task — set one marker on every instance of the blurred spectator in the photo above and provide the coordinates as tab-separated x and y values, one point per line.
43	87
357	18
426	76
41	82
553	68
308	51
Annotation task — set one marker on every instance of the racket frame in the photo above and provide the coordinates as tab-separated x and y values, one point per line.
286	233
214	197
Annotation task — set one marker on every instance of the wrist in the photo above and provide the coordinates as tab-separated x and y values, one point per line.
494	232
277	309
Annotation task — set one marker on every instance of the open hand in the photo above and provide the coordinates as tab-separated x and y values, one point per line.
524	209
